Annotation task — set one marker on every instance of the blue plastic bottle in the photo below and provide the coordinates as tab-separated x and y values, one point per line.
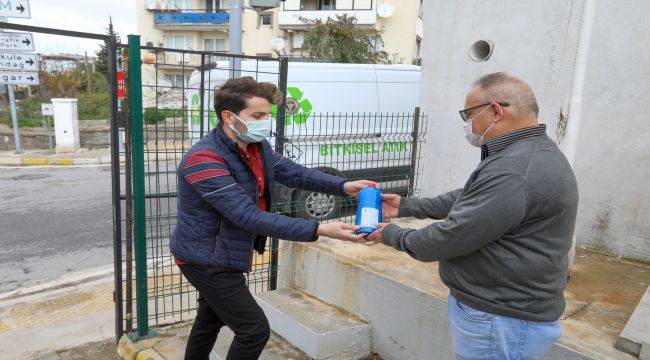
368	210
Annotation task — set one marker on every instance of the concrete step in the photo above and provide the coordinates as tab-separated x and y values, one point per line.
320	330
635	337
276	349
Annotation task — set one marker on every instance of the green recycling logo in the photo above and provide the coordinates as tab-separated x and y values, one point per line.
298	109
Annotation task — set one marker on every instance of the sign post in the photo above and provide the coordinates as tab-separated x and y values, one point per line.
48	111
16	66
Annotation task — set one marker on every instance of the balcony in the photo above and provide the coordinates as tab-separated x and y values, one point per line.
201	20
293	10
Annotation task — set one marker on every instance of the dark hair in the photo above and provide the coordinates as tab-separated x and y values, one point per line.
501	86
234	93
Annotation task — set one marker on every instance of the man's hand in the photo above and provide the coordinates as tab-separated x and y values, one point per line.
352	188
376	235
390	205
340	231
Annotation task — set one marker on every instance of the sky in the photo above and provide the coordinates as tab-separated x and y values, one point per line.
79	15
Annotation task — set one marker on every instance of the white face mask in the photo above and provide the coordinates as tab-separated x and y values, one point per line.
252	131
475	140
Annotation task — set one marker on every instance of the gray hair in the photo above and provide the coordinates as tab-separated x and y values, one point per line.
501	86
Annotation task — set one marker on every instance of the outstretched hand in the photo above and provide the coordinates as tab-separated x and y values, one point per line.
340	231
352	188
376	236
390	205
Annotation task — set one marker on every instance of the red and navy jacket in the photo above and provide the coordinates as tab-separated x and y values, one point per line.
218	221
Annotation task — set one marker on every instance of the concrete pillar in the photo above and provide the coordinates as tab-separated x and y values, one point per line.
66	125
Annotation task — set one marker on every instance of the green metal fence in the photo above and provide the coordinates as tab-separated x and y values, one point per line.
169	107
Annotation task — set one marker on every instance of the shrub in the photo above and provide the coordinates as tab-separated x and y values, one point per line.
93	106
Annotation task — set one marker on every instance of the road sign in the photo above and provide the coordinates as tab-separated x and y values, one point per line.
47	109
15	41
15	8
18	61
18	78
121	91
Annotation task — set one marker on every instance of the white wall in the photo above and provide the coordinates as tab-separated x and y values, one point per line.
537	41
531	47
613	147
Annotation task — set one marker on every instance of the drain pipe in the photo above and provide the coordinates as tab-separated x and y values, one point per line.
569	142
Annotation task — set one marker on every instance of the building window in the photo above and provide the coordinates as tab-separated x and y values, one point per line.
216	5
265	20
326	4
297	39
177	80
212	44
179	5
181	42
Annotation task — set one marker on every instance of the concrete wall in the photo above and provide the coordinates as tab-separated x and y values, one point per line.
91	136
540	45
613	146
403	300
532	47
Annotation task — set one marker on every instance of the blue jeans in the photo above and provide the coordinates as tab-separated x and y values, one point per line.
478	335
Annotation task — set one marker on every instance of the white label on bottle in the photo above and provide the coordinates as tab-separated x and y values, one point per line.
369	217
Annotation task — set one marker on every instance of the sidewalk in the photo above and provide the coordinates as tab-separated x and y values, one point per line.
59	323
44	157
155	151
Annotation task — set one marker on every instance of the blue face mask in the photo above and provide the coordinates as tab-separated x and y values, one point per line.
252	131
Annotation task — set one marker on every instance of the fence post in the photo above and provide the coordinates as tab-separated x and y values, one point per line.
202	94
111	46
414	151
279	148
137	146
128	212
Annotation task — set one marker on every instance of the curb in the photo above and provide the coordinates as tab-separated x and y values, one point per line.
64	282
35	161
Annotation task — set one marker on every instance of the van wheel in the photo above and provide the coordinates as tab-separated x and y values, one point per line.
313	205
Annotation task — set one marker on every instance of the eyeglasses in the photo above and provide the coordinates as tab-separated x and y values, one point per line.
465	116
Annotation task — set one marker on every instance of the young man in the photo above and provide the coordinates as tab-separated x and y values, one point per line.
225	191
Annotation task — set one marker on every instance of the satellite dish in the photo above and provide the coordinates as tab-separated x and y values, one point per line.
151	4
386	10
277	44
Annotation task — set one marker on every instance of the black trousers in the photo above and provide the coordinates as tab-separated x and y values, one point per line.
224	299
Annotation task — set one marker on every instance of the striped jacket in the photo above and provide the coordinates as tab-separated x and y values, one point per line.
218	221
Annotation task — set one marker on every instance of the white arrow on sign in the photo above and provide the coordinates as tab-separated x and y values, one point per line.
18	78
13	41
18	61
15	8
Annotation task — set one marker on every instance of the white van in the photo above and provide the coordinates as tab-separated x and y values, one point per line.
353	120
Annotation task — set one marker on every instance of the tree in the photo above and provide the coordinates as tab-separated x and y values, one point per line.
340	40
101	65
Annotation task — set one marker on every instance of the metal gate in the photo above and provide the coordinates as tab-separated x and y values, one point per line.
169	108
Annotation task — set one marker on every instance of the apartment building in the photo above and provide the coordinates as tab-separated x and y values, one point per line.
203	25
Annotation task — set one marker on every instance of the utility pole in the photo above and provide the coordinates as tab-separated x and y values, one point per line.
14	118
12	105
235	30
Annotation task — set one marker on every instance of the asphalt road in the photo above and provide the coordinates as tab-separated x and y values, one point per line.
53	221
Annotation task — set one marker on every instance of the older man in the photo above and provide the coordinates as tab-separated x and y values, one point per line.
503	238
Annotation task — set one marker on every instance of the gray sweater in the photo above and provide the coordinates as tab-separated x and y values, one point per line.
504	237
